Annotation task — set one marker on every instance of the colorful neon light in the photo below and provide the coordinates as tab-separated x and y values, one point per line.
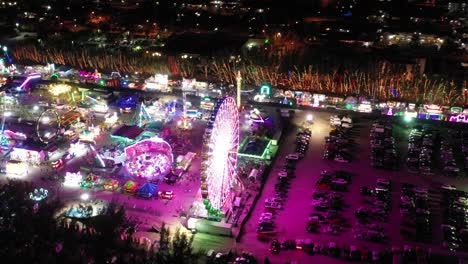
29	78
220	169
460	118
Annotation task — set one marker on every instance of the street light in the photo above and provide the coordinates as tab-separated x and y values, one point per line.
84	196
408	118
309	118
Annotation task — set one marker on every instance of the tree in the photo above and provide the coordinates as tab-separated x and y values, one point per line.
178	250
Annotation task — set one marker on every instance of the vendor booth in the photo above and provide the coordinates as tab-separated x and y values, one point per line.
148	190
110	185
130	187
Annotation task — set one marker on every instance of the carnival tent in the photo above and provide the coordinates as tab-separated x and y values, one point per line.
148	190
131	186
91	181
111	185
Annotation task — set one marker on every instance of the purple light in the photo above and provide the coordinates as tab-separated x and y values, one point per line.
460	118
30	77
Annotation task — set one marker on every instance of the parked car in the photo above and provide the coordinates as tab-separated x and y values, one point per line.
168	195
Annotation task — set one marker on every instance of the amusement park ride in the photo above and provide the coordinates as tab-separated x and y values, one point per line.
219	154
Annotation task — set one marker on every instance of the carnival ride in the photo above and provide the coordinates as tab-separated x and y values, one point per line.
47	125
127	103
144	116
150	158
38	194
219	167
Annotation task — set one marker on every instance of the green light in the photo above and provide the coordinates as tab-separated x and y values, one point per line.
408	118
267	41
102	82
265	90
348	106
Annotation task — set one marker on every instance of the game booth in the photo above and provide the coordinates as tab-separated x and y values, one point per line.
90	182
73	179
16	168
28	153
458	114
159	82
150	158
184	161
110	185
148	190
130	187
432	112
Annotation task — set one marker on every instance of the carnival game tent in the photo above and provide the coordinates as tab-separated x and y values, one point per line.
130	186
91	181
148	190
111	185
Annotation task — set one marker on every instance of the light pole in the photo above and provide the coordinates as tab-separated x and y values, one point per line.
239	88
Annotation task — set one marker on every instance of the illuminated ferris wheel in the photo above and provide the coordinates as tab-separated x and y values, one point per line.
219	168
48	125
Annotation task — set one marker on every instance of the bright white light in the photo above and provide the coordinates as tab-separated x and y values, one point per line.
221	166
84	196
7	114
77	149
45	119
73	179
309	118
35	108
5	48
58	89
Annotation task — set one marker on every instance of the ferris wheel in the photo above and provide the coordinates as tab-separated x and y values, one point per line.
48	125
219	168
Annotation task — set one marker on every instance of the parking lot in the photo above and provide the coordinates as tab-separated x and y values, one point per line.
290	221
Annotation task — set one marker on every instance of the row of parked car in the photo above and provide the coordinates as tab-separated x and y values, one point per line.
328	202
370	216
339	143
344	121
382	143
266	225
415	213
405	254
447	157
455	219
420	150
464	145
